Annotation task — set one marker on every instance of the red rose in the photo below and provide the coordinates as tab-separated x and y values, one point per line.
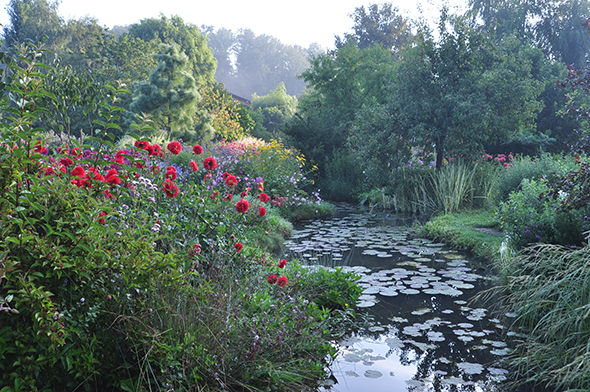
150	150
210	163
238	247
272	279
263	197
142	144
282	282
174	147
197	149
231	181
261	211
242	206
78	172
282	263
194	166
228	197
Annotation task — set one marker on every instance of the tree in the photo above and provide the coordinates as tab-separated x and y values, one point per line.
379	24
340	83
465	91
171	95
201	63
32	20
229	121
273	109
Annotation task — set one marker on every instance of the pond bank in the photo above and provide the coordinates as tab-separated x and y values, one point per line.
473	231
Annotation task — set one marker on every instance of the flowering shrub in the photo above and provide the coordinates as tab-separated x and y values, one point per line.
108	256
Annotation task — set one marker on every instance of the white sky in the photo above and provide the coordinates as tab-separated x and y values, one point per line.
298	22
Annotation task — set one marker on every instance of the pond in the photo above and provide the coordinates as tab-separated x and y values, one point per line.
426	333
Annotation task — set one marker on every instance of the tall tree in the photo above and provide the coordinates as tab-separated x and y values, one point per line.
31	20
171	95
188	37
464	91
379	24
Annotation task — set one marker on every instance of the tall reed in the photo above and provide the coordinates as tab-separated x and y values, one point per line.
453	187
548	286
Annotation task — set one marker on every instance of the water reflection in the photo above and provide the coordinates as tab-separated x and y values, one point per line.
426	332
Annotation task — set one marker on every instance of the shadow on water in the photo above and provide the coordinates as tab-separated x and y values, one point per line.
426	333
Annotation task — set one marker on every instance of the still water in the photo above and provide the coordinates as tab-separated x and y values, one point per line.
427	332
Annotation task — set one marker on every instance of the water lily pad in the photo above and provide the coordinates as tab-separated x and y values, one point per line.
422	311
394	343
351	373
411	330
399	319
409	291
365	304
373	374
453	381
435	336
471	368
352	357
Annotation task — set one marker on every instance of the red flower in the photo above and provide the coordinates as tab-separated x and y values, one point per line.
272	279
171	173
228	197
282	282
170	189
77	152
244	194
150	150
242	206
142	144
112	177
67	162
101	220
197	149
261	186
238	247
282	263
207	176
157	150
210	163
261	211
214	195
194	166
81	183
174	147
225	175
155	169
231	181
263	197
78	172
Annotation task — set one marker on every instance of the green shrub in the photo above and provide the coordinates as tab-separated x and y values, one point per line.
526	218
531	168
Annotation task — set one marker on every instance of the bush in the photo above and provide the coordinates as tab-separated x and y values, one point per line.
527	218
127	269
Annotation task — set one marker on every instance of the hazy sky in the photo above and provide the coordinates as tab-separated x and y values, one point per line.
299	22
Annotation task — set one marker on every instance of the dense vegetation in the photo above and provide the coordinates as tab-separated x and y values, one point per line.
116	237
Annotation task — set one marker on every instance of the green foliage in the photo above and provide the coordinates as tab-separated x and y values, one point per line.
526	218
174	31
379	24
532	168
547	287
273	110
171	95
465	90
107	261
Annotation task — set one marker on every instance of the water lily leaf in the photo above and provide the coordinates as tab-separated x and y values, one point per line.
373	374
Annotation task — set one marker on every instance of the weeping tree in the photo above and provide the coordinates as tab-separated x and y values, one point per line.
171	95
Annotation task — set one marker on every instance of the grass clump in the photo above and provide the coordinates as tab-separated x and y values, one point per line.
548	287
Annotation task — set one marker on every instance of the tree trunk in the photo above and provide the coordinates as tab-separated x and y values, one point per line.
440	142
